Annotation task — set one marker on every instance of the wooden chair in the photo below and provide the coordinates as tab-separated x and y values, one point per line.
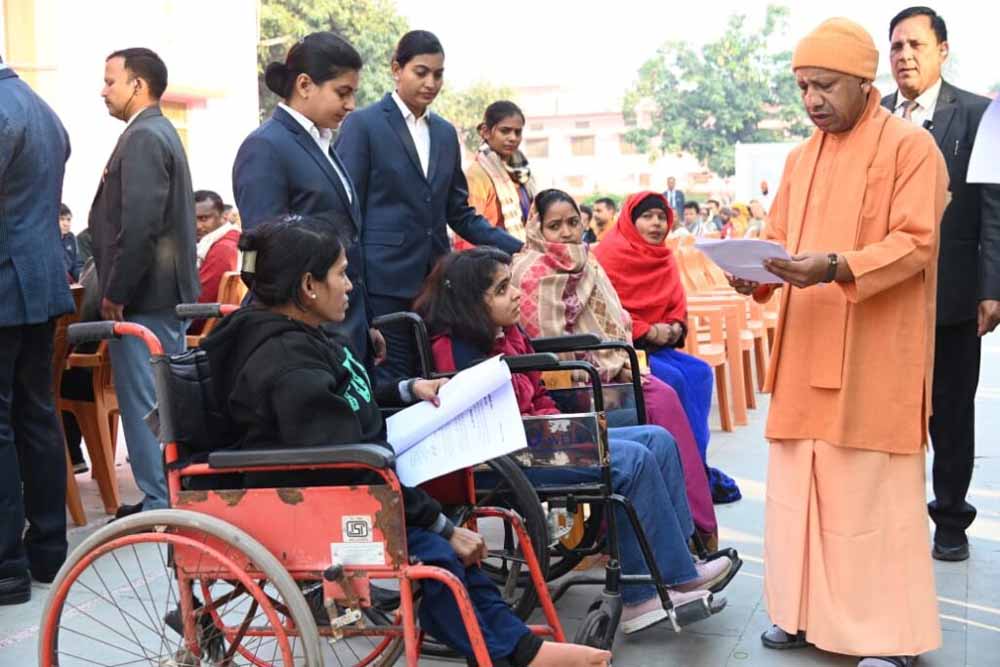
60	349
98	420
231	291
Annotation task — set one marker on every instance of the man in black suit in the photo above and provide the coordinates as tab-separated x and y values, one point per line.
968	303
143	225
674	197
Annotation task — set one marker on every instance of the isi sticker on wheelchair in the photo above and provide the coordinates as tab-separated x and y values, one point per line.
359	546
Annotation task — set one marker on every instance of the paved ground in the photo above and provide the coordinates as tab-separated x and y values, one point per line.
969	593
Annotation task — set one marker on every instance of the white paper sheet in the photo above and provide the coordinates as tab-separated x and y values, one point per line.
478	420
744	258
410	426
490	428
984	163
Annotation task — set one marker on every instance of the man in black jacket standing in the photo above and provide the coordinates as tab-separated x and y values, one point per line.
143	227
968	304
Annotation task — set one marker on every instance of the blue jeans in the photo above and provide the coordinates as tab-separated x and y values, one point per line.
646	469
137	396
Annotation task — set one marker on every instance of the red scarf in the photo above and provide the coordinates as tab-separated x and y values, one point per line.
645	276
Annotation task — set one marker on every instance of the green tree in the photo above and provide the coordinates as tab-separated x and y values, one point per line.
372	26
464	108
735	90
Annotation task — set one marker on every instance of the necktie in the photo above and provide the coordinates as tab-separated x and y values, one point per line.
908	107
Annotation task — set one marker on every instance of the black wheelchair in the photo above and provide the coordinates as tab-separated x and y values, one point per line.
576	438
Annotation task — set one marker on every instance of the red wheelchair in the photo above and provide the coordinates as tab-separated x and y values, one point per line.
234	576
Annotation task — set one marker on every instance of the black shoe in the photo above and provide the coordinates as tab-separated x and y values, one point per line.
15	590
127	510
778	639
951	554
44	575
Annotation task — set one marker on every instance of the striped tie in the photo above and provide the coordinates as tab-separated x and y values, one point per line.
908	107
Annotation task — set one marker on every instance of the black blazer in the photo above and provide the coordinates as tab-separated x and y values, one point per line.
280	169
144	235
969	261
405	212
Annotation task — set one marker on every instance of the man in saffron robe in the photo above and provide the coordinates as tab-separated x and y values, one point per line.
847	544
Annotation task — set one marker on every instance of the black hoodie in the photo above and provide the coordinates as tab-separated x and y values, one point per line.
287	384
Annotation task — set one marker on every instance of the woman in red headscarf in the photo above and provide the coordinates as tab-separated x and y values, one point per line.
645	274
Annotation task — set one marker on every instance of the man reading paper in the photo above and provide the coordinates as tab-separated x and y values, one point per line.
847	546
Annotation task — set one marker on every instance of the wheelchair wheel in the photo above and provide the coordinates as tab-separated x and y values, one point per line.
171	588
511	489
596	630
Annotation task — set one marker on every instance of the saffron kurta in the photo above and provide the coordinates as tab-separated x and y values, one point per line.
852	362
847	545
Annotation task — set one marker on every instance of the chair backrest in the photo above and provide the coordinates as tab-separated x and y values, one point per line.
231	288
189	411
60	342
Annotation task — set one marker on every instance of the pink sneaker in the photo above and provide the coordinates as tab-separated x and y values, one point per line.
709	573
646	614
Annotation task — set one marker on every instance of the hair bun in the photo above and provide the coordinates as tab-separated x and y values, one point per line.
276	79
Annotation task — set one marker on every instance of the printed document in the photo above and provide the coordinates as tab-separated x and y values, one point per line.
478	420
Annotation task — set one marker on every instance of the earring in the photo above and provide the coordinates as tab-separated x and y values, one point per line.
312	296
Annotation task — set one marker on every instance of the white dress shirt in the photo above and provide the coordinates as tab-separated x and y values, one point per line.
419	129
926	104
323	138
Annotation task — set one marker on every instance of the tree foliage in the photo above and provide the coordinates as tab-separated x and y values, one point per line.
735	90
464	108
372	26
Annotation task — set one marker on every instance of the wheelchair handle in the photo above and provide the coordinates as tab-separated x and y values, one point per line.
93	332
564	343
202	311
90	332
415	322
540	361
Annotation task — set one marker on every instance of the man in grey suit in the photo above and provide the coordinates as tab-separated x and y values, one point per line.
143	227
968	302
33	152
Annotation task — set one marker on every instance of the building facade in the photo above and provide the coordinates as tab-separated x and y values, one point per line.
210	49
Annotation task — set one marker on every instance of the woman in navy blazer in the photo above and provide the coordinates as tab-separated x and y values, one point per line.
406	165
288	165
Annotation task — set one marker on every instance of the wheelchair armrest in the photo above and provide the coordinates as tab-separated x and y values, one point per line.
545	361
375	456
564	343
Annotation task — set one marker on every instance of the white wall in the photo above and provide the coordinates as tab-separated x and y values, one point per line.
207	46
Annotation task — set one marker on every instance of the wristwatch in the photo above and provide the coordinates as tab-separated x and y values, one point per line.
831	271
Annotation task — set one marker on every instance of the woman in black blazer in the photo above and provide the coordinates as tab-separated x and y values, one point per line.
288	165
406	165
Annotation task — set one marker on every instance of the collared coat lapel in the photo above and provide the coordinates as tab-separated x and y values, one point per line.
145	113
398	125
944	112
436	127
309	145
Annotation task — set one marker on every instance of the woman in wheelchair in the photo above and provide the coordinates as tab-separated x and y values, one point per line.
565	291
287	383
472	311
